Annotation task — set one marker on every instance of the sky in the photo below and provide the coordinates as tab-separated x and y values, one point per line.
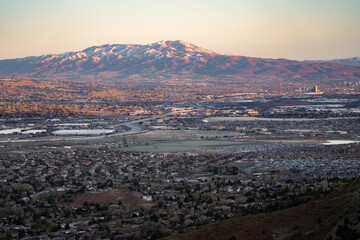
293	29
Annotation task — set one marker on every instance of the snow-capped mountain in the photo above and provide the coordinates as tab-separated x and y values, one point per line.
174	58
152	51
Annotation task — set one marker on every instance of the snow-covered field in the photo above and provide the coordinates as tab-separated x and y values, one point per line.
71	124
34	131
336	142
10	131
84	132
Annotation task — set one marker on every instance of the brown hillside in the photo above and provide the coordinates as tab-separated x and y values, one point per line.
312	220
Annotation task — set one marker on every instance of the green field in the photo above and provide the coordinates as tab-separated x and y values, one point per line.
180	135
179	140
241	165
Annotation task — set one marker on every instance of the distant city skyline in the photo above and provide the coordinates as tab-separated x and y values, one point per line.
300	30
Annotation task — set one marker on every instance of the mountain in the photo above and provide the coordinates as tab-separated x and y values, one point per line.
355	61
169	58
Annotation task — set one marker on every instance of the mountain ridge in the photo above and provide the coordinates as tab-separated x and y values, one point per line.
354	61
174	58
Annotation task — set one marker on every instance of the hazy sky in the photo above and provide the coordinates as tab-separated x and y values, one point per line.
294	29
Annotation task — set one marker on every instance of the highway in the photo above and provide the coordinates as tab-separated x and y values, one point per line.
135	128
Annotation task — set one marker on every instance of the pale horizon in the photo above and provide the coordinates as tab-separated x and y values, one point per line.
305	30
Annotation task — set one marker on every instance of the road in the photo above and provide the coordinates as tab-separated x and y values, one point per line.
135	128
